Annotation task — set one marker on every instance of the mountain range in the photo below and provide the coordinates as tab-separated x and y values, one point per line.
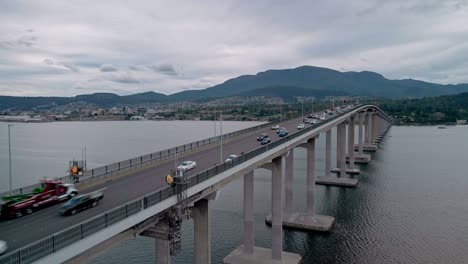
287	84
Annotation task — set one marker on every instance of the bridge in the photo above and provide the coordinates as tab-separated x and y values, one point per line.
138	201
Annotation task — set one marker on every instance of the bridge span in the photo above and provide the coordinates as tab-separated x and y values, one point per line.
138	198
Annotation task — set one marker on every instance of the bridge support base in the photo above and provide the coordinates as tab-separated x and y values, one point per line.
367	147
335	181
260	256
354	171
321	223
361	159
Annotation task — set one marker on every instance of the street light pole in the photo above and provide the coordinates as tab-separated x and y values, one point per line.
214	121
281	113
9	157
221	132
302	102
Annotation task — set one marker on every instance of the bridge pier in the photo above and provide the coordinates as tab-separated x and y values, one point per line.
309	220
369	145
328	153
247	253
202	232
360	157
288	206
351	169
160	233
340	162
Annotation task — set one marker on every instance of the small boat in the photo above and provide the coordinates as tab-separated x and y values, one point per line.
442	127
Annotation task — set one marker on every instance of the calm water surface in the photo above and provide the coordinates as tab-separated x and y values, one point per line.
411	205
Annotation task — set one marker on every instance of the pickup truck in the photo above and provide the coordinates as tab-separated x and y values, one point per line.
49	193
82	202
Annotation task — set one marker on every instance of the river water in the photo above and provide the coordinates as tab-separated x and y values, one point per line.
411	204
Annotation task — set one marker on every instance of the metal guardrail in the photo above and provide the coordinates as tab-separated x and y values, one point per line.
166	154
57	241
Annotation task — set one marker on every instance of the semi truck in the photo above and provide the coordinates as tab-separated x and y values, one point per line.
50	192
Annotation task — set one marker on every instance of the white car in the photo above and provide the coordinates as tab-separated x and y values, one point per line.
322	117
314	121
300	126
187	165
231	158
275	127
3	247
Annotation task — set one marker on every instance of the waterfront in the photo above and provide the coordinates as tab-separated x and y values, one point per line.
409	207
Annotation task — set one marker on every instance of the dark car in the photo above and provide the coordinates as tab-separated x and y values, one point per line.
280	129
262	137
283	133
81	202
265	141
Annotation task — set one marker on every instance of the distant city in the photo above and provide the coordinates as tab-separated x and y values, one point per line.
230	108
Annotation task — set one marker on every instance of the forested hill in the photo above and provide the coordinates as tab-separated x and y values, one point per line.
430	110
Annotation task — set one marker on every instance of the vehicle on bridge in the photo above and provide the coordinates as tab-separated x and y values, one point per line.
82	202
275	127
49	193
280	129
3	247
187	165
262	137
231	158
300	126
283	133
265	141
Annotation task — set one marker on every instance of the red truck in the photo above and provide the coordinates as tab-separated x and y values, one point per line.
51	192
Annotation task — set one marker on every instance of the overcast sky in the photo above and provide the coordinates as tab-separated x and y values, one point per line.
65	48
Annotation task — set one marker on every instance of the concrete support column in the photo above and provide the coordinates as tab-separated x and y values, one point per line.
248	213
374	124
160	233
289	183
370	127
366	127
361	143
311	177
163	255
338	146
201	217
276	210
328	153
351	142
342	128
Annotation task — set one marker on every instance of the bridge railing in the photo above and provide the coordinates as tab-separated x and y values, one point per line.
152	157
59	240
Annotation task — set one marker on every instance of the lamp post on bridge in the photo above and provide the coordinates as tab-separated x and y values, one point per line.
221	136
9	157
214	121
281	113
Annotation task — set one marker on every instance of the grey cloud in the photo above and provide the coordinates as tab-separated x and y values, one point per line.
108	68
125	79
166	69
48	62
22	41
117	77
71	67
62	64
136	68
